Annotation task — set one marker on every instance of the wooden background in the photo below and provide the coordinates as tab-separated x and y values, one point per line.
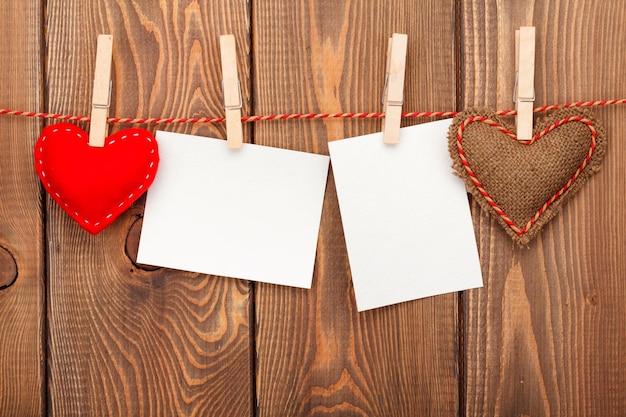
86	331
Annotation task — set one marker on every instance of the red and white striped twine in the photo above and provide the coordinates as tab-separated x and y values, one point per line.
291	116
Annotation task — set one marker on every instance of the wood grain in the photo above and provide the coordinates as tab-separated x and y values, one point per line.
126	340
545	336
22	359
316	354
8	269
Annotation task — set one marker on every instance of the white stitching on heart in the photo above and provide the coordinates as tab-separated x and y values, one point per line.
121	204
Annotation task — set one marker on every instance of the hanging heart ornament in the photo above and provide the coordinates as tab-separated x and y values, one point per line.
524	183
94	185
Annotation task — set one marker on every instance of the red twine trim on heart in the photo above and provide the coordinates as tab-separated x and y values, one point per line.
559	193
292	116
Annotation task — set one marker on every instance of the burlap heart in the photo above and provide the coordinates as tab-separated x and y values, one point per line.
523	183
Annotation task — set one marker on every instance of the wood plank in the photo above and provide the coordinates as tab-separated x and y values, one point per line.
545	336
127	339
22	289
316	354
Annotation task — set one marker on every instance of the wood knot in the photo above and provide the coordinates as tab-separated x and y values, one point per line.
592	299
8	269
132	245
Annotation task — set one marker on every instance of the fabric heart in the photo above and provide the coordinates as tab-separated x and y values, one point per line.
95	185
523	183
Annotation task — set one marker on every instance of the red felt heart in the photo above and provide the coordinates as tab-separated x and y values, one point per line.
95	185
523	183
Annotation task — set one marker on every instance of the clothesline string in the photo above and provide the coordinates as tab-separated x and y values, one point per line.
292	116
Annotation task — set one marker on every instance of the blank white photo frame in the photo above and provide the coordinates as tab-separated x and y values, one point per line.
406	217
252	213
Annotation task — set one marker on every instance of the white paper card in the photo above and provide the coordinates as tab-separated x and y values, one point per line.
405	216
252	213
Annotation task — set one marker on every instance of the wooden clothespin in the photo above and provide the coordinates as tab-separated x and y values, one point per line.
101	97
393	93
524	90
232	92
